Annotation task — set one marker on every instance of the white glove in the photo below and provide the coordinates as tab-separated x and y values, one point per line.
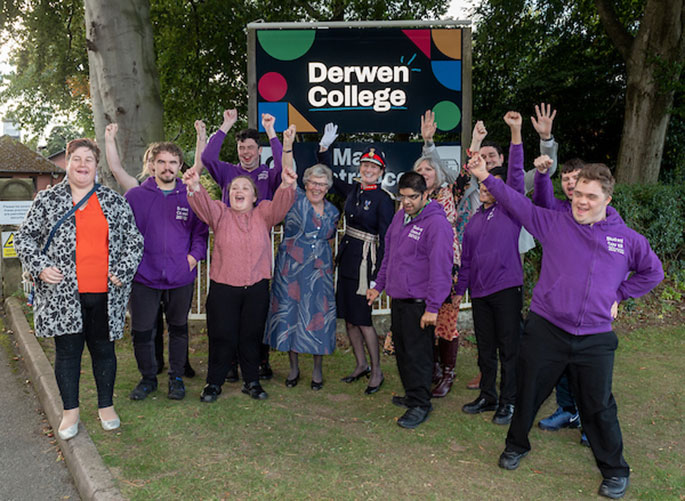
330	133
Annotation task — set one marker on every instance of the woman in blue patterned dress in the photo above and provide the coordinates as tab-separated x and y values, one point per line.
302	314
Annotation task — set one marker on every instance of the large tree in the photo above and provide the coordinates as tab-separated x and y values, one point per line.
654	57
124	86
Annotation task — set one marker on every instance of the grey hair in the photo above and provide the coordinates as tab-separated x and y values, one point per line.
442	174
319	170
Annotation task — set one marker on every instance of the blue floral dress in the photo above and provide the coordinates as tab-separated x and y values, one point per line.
302	313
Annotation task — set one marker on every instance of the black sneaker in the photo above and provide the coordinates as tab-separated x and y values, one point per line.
255	390
177	390
210	393
265	371
144	388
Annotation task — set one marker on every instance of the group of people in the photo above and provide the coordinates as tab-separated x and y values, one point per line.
89	250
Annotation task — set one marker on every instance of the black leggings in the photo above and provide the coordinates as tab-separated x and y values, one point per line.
69	348
236	317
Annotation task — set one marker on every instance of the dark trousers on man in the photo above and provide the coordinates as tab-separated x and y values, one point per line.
546	352
145	304
236	317
413	350
497	324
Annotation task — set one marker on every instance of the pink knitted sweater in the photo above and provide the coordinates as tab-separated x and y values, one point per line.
242	241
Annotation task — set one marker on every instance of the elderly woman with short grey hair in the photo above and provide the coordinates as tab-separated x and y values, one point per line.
302	314
447	187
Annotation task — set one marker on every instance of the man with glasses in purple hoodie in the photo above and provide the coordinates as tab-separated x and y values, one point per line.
588	257
416	272
175	240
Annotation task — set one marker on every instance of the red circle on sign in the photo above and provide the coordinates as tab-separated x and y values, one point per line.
272	86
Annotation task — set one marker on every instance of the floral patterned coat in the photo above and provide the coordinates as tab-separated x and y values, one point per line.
57	309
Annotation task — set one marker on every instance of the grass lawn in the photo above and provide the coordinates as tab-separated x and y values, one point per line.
341	444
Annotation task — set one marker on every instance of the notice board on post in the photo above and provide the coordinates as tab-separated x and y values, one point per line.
363	76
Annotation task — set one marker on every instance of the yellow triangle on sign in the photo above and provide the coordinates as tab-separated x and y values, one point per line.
10	242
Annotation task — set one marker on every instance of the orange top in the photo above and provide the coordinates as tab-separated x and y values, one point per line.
92	247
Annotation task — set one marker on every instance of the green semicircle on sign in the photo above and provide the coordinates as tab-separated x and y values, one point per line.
286	45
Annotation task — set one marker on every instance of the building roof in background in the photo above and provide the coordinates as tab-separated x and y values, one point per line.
16	157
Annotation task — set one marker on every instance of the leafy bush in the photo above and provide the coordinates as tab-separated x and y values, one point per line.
656	211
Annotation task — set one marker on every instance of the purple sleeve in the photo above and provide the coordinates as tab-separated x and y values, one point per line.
465	268
538	221
515	174
648	271
382	274
386	211
198	239
440	266
221	172
543	194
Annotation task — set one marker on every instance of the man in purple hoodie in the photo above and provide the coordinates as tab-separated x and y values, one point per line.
588	254
266	179
175	240
417	273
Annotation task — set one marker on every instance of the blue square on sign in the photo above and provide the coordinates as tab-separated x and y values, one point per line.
278	110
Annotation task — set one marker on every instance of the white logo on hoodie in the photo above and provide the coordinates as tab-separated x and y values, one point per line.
615	244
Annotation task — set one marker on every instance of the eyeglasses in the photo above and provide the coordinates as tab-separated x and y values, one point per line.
314	184
412	198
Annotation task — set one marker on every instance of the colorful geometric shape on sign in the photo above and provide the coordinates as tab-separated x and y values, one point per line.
422	39
286	45
447	115
301	123
448	42
279	112
448	73
272	86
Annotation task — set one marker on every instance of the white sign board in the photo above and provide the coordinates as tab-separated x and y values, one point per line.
14	212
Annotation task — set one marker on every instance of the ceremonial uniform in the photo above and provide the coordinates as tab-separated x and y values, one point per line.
368	213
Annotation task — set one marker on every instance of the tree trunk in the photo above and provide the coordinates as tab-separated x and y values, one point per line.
124	84
653	61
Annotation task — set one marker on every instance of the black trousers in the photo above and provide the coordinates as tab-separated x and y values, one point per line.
413	350
69	349
497	324
546	352
236	317
145	305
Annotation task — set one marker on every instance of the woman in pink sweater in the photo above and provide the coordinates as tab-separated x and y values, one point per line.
238	299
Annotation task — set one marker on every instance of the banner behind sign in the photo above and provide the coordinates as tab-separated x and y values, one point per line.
362	79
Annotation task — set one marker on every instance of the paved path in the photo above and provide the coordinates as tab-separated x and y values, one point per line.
29	469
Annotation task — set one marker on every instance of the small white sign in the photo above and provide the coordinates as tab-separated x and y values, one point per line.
14	212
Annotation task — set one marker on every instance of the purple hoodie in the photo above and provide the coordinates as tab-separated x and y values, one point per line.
584	267
417	263
267	180
490	260
171	231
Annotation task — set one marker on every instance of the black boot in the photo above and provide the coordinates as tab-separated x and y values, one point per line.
448	354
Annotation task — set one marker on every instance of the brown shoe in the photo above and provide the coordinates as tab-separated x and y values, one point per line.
474	384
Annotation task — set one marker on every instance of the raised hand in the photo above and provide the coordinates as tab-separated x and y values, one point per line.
289	137
192	180
111	131
477	167
230	118
330	134
542	164
268	122
545	118
514	121
428	126
201	130
288	176
479	131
